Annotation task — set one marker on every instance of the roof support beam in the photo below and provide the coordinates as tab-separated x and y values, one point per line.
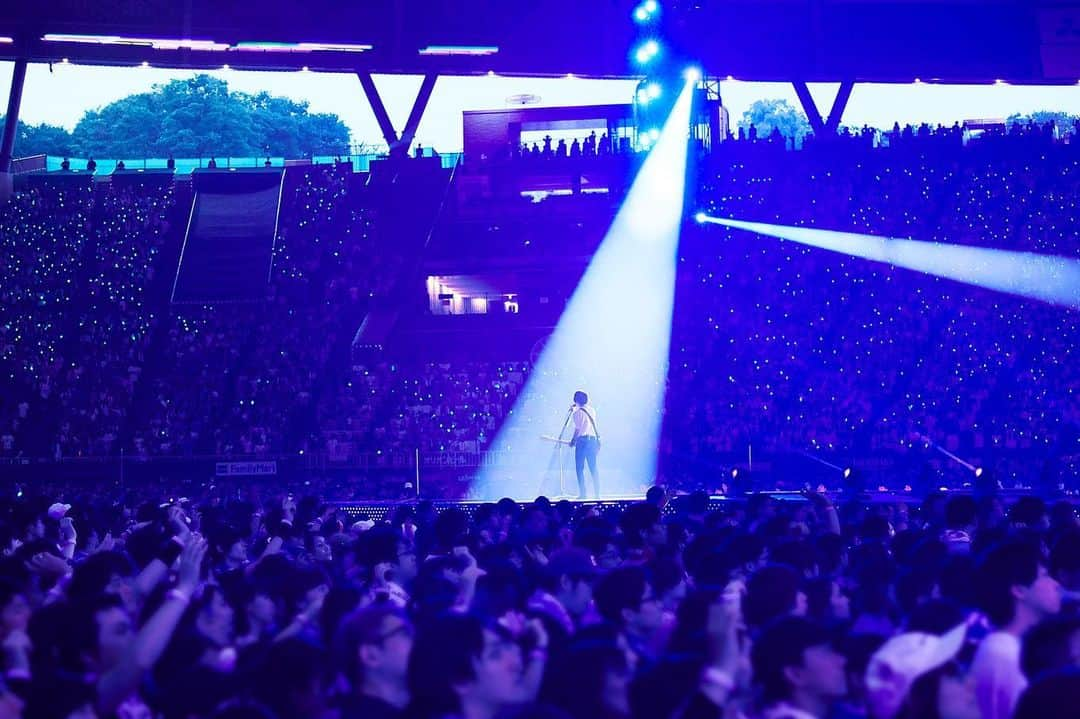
377	106
839	105
398	145
417	113
11	122
809	107
823	128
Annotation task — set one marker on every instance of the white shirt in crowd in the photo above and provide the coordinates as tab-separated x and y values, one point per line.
999	682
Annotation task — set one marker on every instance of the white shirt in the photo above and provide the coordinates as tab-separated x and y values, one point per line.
584	421
998	679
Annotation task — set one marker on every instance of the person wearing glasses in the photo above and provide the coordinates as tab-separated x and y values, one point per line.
374	644
625	598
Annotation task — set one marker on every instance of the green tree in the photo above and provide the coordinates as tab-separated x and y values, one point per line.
201	117
1063	121
40	140
765	115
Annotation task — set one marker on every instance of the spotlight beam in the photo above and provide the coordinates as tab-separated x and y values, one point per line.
1049	278
612	341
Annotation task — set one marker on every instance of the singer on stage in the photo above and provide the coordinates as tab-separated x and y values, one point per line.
586	442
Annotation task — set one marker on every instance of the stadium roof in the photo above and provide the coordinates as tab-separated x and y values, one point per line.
1022	41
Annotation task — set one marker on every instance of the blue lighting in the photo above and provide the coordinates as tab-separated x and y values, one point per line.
612	341
649	50
1050	278
646	11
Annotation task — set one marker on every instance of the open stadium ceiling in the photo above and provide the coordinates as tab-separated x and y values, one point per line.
1020	41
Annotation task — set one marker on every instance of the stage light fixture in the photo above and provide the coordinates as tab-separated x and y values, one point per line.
649	50
646	11
700	218
692	74
654	90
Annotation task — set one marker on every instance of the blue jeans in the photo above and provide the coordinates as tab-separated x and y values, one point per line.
585	450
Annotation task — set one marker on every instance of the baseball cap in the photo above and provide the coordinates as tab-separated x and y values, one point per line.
58	510
903	659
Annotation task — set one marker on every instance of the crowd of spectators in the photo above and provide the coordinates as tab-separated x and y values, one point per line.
591	145
787	348
266	600
847	352
77	265
42	236
433	407
113	315
224	600
239	380
775	346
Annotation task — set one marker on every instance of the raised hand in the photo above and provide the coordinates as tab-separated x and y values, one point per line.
177	523
67	529
288	508
722	629
191	559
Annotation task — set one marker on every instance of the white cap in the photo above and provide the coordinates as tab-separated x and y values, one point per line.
903	659
58	510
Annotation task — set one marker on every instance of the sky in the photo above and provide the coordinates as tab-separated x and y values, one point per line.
62	95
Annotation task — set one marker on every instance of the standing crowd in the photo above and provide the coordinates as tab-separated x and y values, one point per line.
249	602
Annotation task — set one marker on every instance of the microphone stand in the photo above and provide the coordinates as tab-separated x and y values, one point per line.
559	444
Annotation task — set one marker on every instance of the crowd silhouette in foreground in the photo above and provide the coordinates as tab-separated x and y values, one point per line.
243	600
